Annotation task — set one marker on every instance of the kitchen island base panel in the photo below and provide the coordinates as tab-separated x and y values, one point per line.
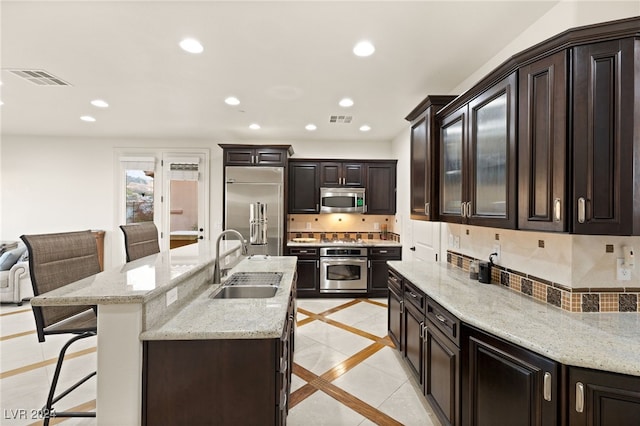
119	391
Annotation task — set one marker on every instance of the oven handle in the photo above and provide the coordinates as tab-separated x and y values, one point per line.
342	260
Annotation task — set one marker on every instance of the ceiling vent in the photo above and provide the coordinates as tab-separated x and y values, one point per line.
39	77
340	119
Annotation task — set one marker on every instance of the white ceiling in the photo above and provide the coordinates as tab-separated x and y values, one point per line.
288	62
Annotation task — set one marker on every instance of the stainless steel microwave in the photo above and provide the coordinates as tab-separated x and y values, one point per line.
342	200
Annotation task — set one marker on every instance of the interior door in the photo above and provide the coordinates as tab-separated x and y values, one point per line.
185	201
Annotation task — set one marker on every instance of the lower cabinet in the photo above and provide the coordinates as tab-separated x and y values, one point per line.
600	398
222	382
308	269
395	309
471	377
378	268
505	384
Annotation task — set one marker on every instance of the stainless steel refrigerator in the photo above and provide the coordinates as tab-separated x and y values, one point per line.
247	185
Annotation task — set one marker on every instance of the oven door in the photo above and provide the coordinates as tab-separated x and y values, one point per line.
343	275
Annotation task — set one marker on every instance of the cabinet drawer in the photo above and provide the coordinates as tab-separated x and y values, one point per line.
391	253
444	321
303	251
395	281
414	296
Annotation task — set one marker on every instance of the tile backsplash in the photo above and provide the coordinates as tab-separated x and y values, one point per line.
339	223
613	299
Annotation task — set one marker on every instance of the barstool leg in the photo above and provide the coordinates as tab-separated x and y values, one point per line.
47	411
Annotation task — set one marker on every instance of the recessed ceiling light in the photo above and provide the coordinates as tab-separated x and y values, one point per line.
87	118
232	100
365	128
254	126
346	102
99	103
364	48
191	45
310	127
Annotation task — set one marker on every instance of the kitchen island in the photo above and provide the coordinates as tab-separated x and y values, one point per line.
164	296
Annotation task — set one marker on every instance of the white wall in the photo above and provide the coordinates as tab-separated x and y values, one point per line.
52	184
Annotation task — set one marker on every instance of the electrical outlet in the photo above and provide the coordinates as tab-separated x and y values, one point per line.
307	226
172	296
376	226
450	240
456	242
622	273
496	249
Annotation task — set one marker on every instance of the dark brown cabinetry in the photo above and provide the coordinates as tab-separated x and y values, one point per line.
222	382
505	384
337	174
412	338
381	187
256	155
542	146
603	399
606	138
478	159
308	269
304	187
306	177
379	270
424	158
395	305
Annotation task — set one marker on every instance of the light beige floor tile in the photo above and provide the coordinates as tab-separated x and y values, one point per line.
357	313
374	324
334	337
408	407
318	358
368	384
321	409
320	305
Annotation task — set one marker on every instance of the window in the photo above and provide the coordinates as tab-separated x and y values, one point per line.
139	183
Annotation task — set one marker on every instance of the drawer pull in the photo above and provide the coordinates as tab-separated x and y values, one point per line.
383	252
547	386
402	306
441	318
557	212
412	294
422	329
579	397
582	210
302	251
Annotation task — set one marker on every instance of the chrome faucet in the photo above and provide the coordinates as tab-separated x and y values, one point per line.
216	270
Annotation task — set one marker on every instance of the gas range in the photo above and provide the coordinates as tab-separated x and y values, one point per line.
341	241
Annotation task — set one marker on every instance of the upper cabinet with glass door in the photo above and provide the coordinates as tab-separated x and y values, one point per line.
478	159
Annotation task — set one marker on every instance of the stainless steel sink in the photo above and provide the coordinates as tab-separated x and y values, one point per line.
245	292
254	279
249	285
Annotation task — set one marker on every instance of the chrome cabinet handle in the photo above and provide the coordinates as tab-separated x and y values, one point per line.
382	251
547	386
441	318
462	209
582	208
468	209
422	329
579	397
557	213
426	208
402	306
412	294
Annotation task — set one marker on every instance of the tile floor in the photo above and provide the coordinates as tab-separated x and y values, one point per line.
346	371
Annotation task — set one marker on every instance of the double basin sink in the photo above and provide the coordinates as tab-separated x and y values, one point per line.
249	285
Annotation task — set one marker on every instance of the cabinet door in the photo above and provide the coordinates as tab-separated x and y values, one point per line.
395	311
272	157
506	385
378	272
238	157
308	277
442	375
604	173
419	167
353	174
304	192
493	156
412	339
542	145
381	188
330	174
453	130
597	398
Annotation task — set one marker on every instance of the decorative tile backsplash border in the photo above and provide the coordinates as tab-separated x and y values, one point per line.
568	299
390	236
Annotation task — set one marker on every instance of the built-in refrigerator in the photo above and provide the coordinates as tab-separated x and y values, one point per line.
247	185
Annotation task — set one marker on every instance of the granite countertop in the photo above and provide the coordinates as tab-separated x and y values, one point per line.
362	243
207	318
603	341
140	280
